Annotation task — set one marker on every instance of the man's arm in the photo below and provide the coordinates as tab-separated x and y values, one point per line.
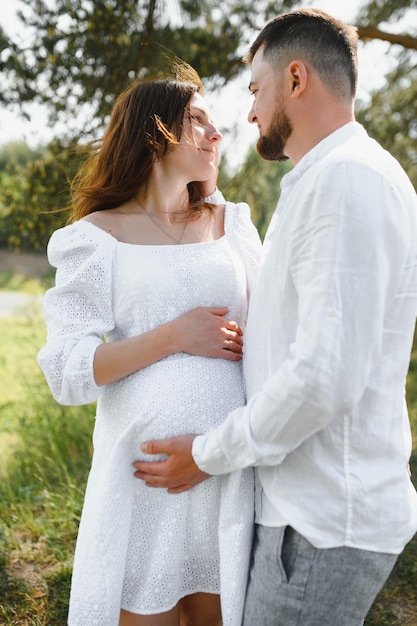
178	473
344	280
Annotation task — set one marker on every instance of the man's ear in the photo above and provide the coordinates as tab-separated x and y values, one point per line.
297	75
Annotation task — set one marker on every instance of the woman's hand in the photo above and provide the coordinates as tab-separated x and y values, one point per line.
205	331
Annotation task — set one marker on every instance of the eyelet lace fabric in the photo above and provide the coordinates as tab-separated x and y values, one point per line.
138	548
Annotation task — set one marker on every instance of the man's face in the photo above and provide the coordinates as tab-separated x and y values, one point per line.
268	110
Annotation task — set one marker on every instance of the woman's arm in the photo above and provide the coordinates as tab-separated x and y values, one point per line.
202	331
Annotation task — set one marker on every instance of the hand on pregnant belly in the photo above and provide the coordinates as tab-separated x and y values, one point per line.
178	473
205	331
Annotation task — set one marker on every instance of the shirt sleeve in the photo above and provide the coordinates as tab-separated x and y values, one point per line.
78	311
347	258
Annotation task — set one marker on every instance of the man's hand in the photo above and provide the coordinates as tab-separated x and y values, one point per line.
178	473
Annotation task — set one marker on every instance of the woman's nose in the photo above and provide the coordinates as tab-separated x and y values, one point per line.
215	135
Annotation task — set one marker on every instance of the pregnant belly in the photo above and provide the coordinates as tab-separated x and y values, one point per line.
172	397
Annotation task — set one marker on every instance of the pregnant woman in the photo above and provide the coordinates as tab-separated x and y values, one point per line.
147	317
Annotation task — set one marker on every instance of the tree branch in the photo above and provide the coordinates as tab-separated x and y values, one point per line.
147	34
370	32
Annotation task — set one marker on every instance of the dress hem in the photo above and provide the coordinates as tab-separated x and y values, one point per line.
168	608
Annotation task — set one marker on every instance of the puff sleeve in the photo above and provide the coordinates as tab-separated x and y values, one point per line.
78	311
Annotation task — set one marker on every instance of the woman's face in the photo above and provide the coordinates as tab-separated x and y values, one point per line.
197	152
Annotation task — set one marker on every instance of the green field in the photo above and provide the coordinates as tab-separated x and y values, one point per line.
44	459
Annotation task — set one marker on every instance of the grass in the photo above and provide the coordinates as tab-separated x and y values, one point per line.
45	452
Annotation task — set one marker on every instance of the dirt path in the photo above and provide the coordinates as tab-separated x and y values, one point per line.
14	303
32	265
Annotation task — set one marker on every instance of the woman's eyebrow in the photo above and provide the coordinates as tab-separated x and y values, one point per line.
195	108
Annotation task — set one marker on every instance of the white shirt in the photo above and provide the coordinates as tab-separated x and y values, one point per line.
327	349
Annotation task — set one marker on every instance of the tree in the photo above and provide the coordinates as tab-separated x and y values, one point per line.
34	193
391	116
376	12
17	153
257	183
79	54
84	52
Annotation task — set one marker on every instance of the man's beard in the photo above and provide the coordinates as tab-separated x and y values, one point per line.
271	147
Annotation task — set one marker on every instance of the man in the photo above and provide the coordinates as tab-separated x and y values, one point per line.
327	345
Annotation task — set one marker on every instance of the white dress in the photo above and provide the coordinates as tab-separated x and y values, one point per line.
140	548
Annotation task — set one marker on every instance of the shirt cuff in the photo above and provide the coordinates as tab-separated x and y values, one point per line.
209	456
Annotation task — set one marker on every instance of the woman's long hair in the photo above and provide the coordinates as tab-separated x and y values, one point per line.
146	121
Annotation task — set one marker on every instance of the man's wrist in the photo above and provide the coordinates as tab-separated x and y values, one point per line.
208	456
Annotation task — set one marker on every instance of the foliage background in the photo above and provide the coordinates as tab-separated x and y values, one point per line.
77	55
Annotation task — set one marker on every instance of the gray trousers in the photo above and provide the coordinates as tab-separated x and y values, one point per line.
294	584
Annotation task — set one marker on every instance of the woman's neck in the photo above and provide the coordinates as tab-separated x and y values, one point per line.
165	198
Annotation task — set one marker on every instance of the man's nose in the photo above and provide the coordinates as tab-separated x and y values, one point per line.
251	116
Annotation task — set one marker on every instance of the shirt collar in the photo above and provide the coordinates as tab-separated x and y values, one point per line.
326	145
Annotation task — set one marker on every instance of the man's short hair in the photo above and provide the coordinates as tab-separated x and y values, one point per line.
326	44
